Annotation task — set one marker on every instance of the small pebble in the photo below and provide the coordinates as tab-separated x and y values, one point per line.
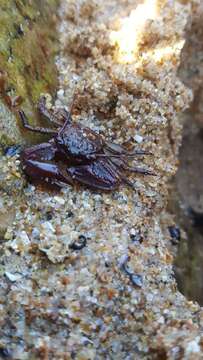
136	279
79	244
12	277
138	139
12	150
60	93
70	214
175	234
35	233
5	353
136	237
59	200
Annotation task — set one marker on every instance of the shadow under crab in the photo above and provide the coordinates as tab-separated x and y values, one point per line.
76	154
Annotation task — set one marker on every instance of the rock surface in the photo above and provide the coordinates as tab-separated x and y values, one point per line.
188	199
116	298
28	47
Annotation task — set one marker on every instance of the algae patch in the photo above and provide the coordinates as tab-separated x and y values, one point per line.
28	45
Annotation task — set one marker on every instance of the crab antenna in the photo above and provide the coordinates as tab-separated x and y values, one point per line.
68	120
126	155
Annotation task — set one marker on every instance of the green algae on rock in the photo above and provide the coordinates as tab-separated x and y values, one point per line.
27	49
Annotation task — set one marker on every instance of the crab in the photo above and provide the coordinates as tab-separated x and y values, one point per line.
76	154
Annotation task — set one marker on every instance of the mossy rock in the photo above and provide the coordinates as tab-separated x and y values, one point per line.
28	45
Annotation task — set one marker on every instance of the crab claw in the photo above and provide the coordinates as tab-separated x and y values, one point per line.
38	164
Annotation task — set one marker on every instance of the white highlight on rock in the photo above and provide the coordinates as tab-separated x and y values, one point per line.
132	26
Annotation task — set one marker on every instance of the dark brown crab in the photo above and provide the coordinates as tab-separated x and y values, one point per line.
76	154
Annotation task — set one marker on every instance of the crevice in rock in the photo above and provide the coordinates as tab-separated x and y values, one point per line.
187	199
188	207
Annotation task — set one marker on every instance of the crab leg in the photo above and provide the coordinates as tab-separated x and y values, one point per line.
34	129
60	113
99	174
119	150
138	170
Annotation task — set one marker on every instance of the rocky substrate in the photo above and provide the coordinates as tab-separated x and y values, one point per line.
87	274
188	189
27	51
